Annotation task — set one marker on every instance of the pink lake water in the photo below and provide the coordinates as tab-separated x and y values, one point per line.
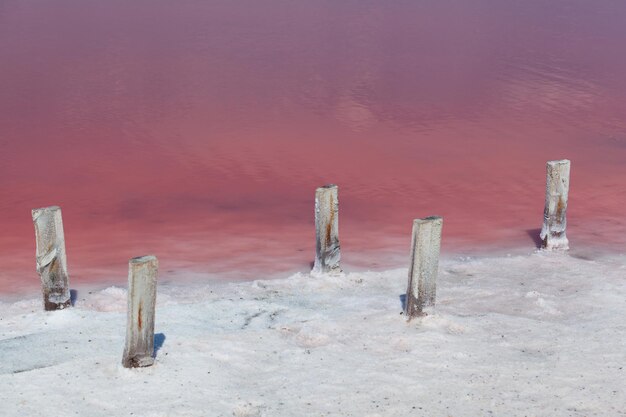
198	131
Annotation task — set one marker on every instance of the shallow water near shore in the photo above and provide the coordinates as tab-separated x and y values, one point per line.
199	131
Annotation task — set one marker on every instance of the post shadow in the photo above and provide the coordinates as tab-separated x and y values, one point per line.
534	235
73	297
159	340
403	301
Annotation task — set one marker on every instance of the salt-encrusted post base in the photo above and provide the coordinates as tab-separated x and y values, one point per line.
425	248
51	258
553	235
327	252
142	281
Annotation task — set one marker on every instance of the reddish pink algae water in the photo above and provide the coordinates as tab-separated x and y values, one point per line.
198	131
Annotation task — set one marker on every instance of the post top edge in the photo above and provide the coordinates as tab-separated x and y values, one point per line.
49	208
143	259
328	187
428	219
558	162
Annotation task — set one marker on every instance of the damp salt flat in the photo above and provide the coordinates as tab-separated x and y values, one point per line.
198	131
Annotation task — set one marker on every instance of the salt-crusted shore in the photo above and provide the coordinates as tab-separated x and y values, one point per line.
534	335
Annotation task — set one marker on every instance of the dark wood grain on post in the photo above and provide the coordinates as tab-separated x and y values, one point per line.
553	236
425	249
51	258
327	249
142	283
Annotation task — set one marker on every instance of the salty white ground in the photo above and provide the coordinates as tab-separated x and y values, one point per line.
535	335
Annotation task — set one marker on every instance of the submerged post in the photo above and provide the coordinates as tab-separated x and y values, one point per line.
51	259
142	280
425	248
554	215
327	255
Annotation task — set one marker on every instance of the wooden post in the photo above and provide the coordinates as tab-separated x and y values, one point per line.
425	248
142	281
51	259
327	253
554	215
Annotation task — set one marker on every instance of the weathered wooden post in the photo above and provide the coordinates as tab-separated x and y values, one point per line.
142	281
554	215
327	252
425	248
51	259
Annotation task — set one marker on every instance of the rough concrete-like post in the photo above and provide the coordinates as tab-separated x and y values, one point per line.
142	282
327	254
554	215
51	259
425	248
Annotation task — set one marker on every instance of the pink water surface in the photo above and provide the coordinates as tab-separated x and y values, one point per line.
198	130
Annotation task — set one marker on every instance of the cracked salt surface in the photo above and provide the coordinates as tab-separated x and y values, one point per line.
539	334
